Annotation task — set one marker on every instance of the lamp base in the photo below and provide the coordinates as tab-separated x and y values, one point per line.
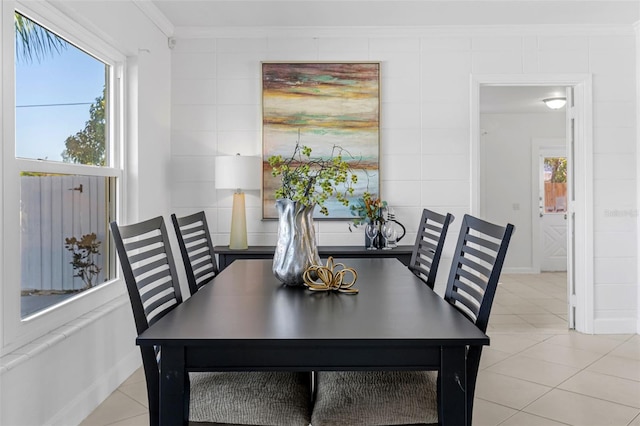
238	236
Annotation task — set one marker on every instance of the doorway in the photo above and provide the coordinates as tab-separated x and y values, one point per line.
579	222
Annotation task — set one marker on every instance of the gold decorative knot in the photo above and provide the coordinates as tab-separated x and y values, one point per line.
330	277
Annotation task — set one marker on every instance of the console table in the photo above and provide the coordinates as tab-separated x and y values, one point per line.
226	255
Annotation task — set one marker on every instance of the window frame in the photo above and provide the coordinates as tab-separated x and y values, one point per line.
15	331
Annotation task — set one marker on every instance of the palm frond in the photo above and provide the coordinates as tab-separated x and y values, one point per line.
34	41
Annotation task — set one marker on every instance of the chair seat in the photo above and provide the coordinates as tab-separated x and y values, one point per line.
250	398
375	398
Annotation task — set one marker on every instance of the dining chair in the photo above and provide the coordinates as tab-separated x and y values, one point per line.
427	249
196	247
242	398
410	397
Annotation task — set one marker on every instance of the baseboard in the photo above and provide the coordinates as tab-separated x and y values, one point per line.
84	404
616	326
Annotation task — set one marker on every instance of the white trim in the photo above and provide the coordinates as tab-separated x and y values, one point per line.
583	160
70	27
16	331
156	16
46	166
13	359
6	104
615	326
636	27
400	31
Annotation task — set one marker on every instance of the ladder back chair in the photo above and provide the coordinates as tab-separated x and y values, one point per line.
411	397
243	398
196	247
427	249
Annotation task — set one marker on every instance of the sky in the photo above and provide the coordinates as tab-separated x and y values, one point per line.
60	79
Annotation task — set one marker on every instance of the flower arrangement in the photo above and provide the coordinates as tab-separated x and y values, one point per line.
312	181
367	209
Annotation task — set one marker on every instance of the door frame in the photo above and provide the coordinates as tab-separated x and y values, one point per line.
538	145
581	262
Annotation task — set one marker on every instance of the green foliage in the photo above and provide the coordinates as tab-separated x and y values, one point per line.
88	145
313	180
367	209
84	252
34	41
558	167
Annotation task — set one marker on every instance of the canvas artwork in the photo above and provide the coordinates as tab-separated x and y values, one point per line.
324	105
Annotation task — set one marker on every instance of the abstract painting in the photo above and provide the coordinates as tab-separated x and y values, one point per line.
322	105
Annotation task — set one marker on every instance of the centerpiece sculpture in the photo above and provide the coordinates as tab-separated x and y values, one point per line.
306	182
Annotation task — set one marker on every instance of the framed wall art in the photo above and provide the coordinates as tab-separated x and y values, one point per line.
322	105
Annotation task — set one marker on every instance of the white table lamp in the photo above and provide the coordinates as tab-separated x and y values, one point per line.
239	173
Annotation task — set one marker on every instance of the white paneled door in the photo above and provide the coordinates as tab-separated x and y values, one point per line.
553	209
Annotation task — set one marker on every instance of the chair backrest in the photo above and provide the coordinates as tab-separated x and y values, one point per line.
196	247
427	249
150	275
473	280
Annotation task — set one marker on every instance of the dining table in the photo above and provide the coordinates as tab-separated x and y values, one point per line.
246	320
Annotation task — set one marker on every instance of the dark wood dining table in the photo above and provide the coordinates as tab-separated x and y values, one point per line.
245	320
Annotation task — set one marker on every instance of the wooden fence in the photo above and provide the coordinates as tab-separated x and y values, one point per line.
54	208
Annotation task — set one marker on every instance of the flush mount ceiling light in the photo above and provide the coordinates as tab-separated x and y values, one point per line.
555	103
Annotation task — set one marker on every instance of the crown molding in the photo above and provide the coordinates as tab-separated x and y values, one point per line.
156	16
404	31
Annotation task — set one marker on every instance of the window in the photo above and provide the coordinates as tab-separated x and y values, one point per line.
64	166
555	184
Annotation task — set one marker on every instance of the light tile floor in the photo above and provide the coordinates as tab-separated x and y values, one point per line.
536	372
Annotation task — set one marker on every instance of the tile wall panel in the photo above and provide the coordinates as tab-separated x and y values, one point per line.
614	114
615	270
607	197
616	296
194	117
400	167
564	61
497	62
193	142
496	43
193	168
185	92
425	124
609	244
193	65
238	91
613	140
400	141
445	167
613	87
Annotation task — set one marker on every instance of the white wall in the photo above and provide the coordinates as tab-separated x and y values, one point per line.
506	144
425	146
61	377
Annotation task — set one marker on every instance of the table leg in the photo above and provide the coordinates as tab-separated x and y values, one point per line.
174	396
453	386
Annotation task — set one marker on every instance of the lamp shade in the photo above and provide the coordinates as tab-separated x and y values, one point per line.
238	172
555	103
